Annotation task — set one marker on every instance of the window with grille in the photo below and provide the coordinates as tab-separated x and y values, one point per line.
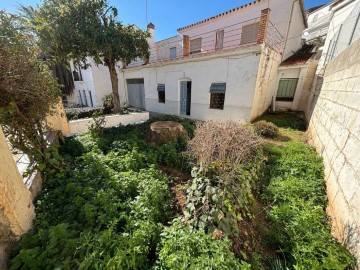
173	53
161	93
249	33
195	45
219	40
286	90
217	96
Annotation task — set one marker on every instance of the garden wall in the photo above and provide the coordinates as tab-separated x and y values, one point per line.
334	130
82	125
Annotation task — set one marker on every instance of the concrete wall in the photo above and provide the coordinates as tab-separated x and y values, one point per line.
334	130
82	125
265	82
16	208
295	19
237	68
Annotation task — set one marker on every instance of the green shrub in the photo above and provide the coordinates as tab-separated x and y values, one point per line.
300	226
266	129
107	212
183	248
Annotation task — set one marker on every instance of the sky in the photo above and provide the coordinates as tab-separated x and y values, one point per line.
166	15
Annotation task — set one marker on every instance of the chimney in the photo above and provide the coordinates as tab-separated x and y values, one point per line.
186	45
152	44
263	25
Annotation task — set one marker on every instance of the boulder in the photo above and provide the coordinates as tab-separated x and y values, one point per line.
162	132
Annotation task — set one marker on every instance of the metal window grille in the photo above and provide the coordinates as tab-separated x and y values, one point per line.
249	33
286	90
161	93
217	96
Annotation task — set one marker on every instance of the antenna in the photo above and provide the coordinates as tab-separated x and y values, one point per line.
146	10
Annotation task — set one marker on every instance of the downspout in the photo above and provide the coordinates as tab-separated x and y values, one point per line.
288	29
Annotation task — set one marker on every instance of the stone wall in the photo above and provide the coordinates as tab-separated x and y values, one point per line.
16	208
334	130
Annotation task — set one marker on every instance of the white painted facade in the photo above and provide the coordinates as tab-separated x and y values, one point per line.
247	66
249	70
344	29
318	23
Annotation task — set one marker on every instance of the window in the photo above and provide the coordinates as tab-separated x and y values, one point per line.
161	93
286	90
219	40
249	33
173	53
217	95
195	45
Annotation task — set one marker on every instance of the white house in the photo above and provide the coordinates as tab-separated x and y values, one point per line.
318	22
224	67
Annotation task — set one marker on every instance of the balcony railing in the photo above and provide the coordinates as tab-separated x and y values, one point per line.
233	36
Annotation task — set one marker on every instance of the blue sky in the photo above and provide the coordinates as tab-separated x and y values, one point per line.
167	15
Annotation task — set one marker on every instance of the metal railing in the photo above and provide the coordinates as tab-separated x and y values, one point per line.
344	35
238	35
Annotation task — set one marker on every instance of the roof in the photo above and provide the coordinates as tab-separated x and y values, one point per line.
221	14
301	56
239	8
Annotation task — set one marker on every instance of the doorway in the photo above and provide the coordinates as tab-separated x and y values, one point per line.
185	97
136	93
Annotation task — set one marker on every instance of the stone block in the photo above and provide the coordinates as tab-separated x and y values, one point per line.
352	151
338	163
347	182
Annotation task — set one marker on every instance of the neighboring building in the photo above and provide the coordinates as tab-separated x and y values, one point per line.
318	19
224	67
344	29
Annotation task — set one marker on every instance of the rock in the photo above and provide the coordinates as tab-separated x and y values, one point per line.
162	132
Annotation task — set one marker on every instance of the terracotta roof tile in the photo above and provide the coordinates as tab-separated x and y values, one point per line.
300	57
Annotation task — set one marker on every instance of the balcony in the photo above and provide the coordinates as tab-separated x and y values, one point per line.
234	36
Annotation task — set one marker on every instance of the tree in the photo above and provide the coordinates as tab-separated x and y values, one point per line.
28	91
77	29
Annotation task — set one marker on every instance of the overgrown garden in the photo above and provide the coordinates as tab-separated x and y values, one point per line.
244	203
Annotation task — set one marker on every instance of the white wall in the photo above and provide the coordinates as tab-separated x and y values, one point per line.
237	68
340	14
297	26
318	22
266	81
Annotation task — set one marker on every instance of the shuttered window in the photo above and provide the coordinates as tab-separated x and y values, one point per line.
249	33
161	93
286	89
195	45
219	40
173	53
217	96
